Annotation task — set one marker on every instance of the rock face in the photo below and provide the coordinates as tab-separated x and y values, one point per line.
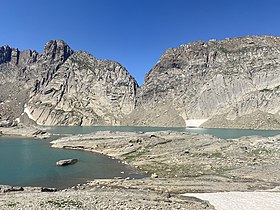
83	91
63	87
231	83
20	71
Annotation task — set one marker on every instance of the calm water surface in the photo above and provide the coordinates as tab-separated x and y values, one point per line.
29	162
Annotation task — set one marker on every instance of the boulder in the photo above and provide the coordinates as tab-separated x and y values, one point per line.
8	123
13	189
47	189
154	175
66	162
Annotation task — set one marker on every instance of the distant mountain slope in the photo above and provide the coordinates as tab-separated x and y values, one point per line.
228	83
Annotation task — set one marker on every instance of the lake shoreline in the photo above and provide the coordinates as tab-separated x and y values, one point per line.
23	131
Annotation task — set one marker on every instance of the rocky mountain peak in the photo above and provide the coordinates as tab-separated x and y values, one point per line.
57	51
5	54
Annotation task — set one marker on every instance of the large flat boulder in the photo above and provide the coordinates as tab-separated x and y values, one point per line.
66	162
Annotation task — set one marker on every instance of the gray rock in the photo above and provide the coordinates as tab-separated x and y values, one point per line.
47	189
66	162
8	123
154	175
13	189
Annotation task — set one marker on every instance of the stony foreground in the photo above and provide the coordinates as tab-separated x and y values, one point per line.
178	163
99	195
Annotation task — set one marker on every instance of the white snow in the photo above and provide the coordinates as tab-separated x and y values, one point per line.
27	111
195	122
241	200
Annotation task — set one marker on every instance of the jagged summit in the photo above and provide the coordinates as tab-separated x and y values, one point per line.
57	50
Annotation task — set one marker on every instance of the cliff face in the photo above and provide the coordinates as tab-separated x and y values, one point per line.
83	91
63	87
16	77
220	82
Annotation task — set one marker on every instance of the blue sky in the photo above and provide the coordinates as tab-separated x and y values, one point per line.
133	32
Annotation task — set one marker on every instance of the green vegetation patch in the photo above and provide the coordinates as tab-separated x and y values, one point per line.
260	151
134	155
12	204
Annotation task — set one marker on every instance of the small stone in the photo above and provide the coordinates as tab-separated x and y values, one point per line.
154	175
46	189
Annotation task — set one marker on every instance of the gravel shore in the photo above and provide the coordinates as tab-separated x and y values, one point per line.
98	195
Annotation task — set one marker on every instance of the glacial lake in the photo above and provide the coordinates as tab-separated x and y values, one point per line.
32	162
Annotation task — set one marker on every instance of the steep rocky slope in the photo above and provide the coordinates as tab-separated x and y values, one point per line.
84	91
63	87
228	83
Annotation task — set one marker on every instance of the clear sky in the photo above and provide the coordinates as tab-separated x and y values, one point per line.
133	32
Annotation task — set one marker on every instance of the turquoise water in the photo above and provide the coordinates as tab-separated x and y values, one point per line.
29	162
221	133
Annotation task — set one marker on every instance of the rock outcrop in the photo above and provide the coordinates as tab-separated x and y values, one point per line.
225	83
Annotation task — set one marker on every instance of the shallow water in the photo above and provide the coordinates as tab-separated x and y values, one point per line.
28	162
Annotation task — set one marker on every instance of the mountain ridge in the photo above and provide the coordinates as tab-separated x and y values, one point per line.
214	84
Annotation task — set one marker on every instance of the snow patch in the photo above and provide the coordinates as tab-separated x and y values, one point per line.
195	123
27	111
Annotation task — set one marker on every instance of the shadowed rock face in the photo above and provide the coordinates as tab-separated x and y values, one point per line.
218	80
